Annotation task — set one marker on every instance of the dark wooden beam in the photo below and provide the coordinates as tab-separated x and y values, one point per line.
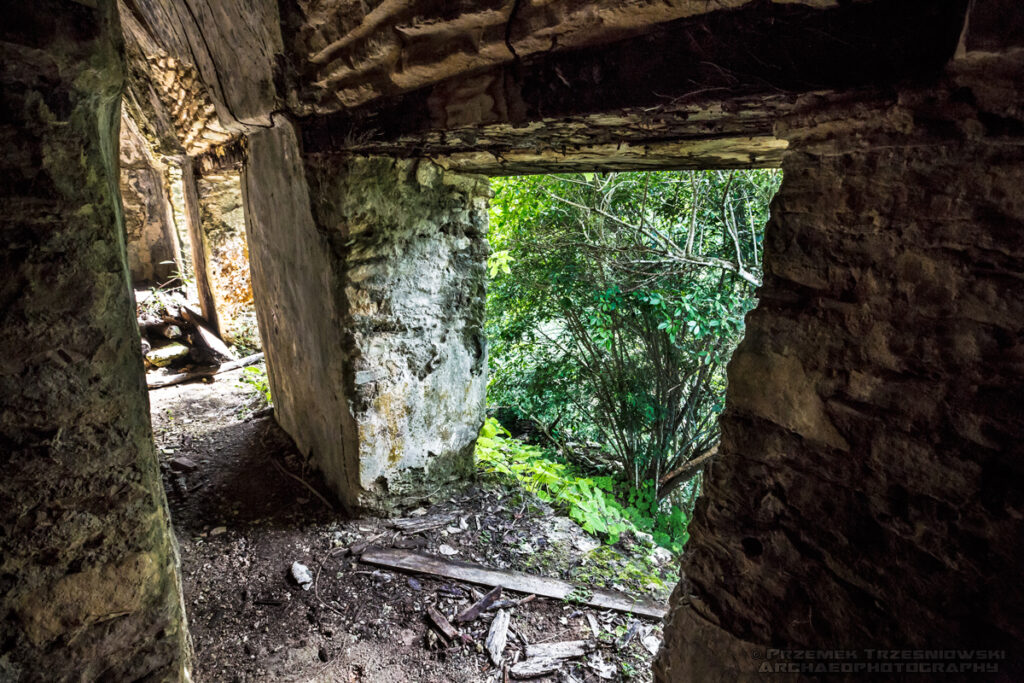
752	63
228	157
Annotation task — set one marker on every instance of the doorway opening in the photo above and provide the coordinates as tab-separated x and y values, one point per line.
614	303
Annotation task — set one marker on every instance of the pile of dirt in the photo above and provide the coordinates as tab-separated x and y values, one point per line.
246	508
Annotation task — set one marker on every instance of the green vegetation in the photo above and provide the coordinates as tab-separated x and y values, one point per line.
255	378
614	303
590	501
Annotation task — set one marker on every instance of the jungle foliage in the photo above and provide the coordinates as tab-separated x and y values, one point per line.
614	302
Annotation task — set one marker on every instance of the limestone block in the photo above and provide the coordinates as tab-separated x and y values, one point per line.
369	278
165	355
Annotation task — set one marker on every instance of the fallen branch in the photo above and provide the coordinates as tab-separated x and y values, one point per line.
305	483
685	472
170	380
509	580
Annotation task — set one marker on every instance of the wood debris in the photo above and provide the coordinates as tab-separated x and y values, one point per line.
627	637
471	613
418	525
442	624
538	666
510	580
498	636
594	627
567	649
158	382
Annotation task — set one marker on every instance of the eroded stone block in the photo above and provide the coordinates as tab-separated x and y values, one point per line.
369	282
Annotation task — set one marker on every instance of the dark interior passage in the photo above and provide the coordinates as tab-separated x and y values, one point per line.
866	495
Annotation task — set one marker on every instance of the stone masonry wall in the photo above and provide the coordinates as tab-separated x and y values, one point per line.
153	252
869	488
223	221
412	241
88	583
368	276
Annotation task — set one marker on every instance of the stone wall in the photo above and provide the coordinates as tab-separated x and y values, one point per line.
88	582
412	241
154	255
223	222
369	279
868	491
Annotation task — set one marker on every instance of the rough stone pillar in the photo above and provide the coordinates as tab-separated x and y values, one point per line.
88	582
154	255
869	490
199	243
368	276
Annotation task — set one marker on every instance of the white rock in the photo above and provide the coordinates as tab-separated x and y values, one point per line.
302	576
661	556
446	549
166	355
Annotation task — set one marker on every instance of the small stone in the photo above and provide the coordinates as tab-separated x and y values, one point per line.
301	575
446	549
651	643
365	376
217	531
322	654
661	556
172	332
183	464
166	355
414	584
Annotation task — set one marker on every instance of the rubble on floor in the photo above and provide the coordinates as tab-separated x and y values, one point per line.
242	526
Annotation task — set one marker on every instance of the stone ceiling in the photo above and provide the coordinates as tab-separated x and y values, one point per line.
510	86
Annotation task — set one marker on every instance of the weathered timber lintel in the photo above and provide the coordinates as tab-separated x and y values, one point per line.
752	63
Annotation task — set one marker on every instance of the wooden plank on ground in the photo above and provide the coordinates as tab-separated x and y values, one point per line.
567	649
169	380
509	580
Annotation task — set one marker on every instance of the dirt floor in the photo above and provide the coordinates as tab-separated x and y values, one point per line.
242	522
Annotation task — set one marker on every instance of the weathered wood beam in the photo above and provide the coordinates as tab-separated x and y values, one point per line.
751	63
200	245
510	580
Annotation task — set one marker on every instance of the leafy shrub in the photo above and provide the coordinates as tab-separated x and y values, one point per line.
604	506
614	303
255	377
